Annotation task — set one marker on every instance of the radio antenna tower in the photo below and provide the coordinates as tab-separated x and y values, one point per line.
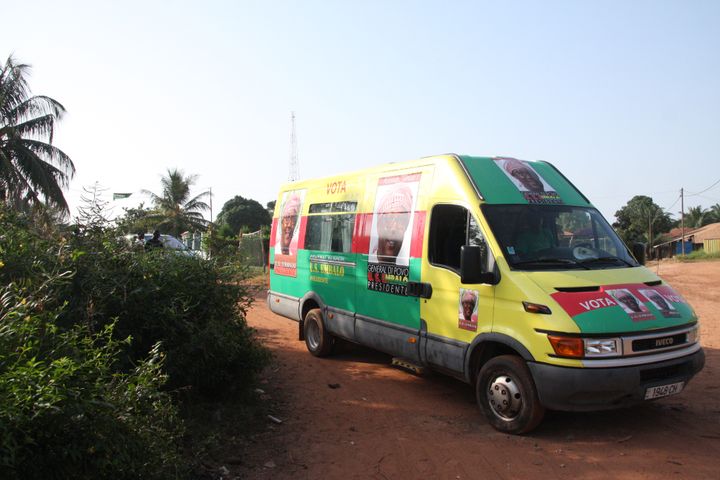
293	173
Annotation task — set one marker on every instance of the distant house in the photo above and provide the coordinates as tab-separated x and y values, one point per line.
707	238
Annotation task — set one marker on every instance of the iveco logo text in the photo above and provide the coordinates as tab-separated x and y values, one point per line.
663	342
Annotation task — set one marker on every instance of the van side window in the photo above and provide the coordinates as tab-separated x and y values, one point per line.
451	227
329	229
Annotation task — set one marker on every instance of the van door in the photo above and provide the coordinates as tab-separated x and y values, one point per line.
390	246
331	263
455	314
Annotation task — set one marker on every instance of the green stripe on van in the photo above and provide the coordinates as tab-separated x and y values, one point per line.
496	187
615	320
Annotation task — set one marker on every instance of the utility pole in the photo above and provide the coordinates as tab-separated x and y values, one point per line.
211	215
682	222
293	170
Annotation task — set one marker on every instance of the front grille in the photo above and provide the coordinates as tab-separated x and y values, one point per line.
644	344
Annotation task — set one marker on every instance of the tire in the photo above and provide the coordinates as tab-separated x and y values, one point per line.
506	394
318	341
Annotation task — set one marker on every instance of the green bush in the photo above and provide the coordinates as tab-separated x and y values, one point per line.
65	412
195	307
698	255
84	389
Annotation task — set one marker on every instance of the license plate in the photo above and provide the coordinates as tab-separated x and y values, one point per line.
664	390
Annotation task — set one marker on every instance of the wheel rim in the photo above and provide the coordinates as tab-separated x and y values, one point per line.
313	335
504	398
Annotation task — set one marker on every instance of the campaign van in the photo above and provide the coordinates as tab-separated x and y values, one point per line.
494	270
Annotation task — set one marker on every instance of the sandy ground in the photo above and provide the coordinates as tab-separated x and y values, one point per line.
353	415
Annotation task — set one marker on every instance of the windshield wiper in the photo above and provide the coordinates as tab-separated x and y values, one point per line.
609	258
547	261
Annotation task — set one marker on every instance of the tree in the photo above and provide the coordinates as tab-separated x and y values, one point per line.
239	213
271	207
697	217
715	213
135	220
641	220
174	211
30	166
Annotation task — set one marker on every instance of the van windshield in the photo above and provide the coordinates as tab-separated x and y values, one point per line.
556	237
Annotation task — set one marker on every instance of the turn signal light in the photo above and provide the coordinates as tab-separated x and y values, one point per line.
567	346
536	308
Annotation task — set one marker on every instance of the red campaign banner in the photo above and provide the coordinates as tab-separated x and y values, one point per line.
361	235
416	245
575	303
363	224
630	297
301	234
273	232
285	265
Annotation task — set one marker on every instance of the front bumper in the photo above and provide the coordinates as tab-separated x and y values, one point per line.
586	389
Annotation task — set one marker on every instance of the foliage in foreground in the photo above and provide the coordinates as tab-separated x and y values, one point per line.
83	384
64	410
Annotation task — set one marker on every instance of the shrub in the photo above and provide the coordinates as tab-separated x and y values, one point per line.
698	255
195	307
65	413
83	383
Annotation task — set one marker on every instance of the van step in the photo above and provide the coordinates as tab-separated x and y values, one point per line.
407	365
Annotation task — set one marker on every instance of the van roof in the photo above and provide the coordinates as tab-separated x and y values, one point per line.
507	180
498	180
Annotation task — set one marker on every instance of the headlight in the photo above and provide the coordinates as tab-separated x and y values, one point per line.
576	347
602	347
693	335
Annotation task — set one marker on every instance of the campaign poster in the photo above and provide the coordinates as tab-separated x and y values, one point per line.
391	233
287	233
467	310
631	304
528	181
665	306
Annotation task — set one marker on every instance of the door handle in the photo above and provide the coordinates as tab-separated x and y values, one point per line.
419	289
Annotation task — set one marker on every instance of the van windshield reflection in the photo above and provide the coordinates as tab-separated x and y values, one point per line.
556	237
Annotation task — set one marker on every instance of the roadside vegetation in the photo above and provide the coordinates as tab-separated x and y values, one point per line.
103	347
697	256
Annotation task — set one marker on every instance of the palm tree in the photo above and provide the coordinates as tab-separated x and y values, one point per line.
30	166
696	217
715	212
175	212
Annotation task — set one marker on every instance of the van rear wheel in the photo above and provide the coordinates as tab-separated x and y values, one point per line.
506	394
318	341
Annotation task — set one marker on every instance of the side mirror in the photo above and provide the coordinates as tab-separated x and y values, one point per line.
638	251
473	259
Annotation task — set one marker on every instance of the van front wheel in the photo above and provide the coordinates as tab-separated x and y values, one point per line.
317	340
506	394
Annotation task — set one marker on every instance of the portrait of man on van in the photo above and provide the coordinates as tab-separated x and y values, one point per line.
286	241
392	225
467	315
666	309
523	175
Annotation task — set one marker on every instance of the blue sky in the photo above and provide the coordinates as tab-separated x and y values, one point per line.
622	96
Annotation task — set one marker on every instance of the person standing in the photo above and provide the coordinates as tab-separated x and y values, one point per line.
154	242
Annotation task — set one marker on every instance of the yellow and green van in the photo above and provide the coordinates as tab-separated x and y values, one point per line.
496	271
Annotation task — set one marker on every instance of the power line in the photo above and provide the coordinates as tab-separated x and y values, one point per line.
674	203
702	191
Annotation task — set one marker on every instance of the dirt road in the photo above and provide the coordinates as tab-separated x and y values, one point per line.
353	415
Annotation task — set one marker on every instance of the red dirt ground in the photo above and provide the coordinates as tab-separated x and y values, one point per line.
379	422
